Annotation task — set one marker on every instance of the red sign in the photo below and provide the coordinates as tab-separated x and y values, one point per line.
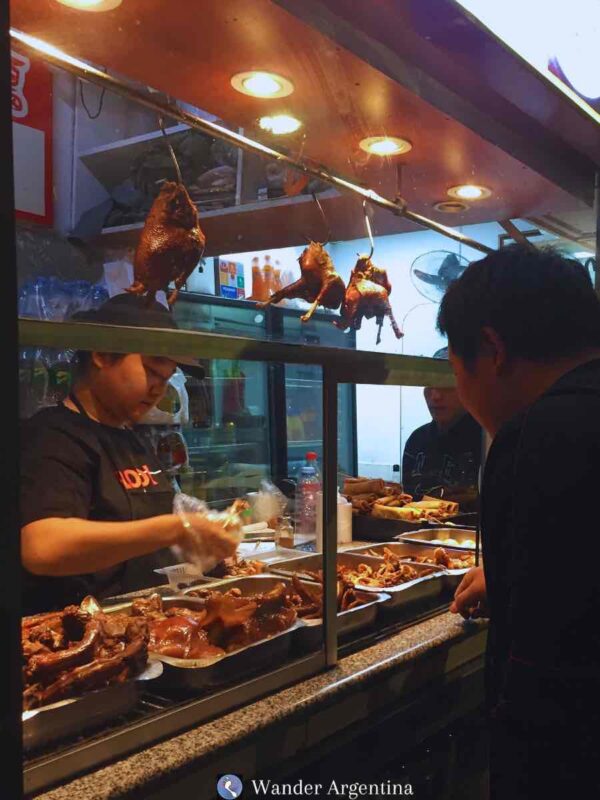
31	84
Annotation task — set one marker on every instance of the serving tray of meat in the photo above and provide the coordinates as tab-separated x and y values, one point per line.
356	610
309	567
403	582
454	561
214	635
80	668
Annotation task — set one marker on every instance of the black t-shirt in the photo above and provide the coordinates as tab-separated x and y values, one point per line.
541	548
72	466
434	458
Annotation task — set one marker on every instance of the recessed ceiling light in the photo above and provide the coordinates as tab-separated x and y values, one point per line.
262	84
91	5
450	206
385	145
280	124
469	191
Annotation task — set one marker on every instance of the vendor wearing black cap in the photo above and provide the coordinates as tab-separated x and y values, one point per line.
442	458
96	506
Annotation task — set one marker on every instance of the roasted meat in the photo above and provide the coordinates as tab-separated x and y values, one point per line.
367	295
236	567
74	651
319	283
170	245
182	636
222	623
308	600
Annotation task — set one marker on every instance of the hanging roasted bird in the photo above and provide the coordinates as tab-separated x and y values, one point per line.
170	246
319	283
367	295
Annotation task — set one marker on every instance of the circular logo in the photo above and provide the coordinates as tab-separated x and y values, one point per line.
229	787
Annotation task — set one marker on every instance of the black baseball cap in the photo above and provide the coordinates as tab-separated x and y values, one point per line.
133	310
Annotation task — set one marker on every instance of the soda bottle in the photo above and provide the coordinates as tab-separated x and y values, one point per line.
307	488
268	278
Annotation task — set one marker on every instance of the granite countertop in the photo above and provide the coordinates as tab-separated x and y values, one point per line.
440	636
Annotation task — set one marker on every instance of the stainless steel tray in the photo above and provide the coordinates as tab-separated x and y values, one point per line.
428	587
411	552
305	564
310	633
425	536
42	726
348	622
204	673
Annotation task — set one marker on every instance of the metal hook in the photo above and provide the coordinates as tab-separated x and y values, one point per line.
369	231
327	228
171	151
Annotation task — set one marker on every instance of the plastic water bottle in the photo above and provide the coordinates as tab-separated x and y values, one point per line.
99	296
56	300
79	296
58	364
307	489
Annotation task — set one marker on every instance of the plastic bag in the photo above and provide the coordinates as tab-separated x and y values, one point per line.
268	504
202	550
156	416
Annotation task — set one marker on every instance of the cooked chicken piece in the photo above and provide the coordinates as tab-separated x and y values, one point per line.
367	295
170	245
319	283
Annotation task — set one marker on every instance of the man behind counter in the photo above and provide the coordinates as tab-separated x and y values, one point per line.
446	452
96	506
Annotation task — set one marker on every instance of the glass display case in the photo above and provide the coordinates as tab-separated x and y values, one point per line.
311	164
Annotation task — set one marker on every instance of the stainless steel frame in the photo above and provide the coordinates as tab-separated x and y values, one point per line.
56	768
119	86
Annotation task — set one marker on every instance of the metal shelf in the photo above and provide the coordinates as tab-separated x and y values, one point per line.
344	366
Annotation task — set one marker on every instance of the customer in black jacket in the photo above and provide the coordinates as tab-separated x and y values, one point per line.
524	334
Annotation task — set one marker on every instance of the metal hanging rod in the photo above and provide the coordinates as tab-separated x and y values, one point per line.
56	57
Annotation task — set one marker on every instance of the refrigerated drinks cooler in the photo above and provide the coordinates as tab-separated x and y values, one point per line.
253	420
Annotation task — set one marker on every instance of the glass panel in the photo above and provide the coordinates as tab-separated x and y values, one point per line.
422	439
211	438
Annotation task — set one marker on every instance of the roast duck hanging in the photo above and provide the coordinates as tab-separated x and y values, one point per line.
367	295
170	246
319	283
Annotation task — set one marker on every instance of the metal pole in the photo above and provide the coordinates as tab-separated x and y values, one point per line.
329	487
89	73
10	563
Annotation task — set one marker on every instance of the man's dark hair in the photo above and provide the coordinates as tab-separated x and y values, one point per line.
541	304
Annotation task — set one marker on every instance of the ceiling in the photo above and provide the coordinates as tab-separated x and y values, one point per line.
192	54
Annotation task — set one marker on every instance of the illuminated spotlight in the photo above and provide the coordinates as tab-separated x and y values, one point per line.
262	84
385	145
451	206
91	5
469	191
280	124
